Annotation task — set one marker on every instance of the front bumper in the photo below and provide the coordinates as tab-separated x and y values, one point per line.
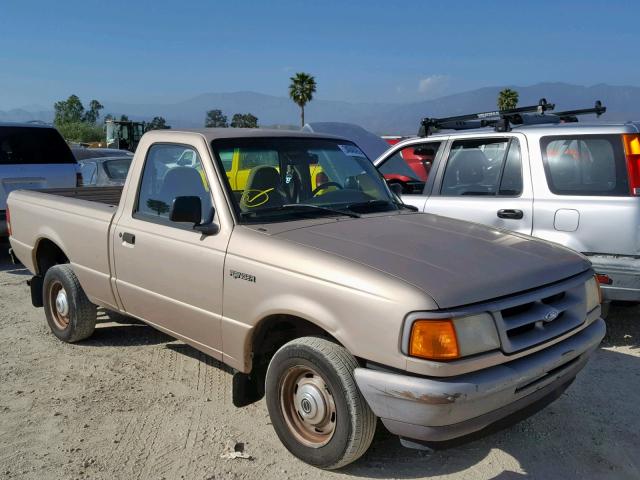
443	409
624	273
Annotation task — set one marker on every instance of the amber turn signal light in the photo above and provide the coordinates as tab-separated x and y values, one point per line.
434	340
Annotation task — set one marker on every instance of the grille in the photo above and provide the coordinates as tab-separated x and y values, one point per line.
541	315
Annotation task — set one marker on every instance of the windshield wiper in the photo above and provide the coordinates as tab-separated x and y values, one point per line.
381	203
300	207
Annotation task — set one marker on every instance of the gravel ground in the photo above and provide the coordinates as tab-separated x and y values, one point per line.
132	403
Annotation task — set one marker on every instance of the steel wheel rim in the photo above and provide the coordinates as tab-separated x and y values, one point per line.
308	406
59	305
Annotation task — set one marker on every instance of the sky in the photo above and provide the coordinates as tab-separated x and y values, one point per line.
359	51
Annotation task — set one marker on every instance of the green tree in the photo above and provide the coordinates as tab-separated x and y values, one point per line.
109	116
70	110
124	118
158	123
301	91
81	132
216	119
244	120
507	99
91	116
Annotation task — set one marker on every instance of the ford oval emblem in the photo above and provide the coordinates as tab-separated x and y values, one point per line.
551	315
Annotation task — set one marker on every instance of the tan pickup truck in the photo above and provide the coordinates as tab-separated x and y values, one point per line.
332	299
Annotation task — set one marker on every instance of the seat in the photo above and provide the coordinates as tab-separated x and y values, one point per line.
466	169
263	179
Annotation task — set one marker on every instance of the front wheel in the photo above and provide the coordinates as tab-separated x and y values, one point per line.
315	405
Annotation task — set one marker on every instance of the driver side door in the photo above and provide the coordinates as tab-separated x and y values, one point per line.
167	273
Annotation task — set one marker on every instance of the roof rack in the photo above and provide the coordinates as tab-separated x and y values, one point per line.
570	116
502	120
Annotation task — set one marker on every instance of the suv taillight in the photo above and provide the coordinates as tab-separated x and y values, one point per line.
8	221
632	154
79	181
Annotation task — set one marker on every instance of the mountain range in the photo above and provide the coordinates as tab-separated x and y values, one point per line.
622	102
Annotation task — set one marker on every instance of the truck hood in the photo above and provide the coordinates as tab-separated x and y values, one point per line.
457	263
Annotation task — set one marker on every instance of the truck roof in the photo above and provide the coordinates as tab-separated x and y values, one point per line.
211	134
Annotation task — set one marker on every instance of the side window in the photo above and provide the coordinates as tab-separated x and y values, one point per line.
88	172
585	165
486	167
410	166
171	171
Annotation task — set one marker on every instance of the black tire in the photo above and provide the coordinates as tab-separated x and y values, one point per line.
353	423
80	319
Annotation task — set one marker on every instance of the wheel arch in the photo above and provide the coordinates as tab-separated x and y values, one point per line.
47	253
266	338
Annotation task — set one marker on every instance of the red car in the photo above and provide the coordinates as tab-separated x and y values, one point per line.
418	159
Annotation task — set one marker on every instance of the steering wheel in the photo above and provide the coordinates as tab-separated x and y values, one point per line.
319	188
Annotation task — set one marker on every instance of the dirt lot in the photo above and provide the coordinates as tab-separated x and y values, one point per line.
131	403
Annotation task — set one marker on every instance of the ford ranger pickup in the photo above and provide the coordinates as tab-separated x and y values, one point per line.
335	301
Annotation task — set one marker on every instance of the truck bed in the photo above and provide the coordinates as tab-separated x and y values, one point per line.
107	195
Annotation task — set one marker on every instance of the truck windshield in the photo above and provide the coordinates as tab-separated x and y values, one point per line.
33	145
276	179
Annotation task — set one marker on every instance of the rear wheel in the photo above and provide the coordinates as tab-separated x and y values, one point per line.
315	405
70	314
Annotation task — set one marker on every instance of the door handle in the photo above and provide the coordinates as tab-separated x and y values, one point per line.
129	238
511	214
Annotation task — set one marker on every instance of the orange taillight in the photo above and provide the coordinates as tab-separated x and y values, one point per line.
434	340
632	154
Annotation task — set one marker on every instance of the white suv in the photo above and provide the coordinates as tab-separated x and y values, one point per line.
32	157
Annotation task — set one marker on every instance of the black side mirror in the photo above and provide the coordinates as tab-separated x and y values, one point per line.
396	188
424	151
186	210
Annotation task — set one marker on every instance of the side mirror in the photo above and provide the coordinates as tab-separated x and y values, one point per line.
186	210
424	151
396	188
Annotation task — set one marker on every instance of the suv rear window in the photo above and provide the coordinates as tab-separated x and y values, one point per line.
33	145
585	165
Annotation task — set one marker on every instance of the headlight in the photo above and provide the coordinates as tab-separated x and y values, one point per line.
451	338
593	294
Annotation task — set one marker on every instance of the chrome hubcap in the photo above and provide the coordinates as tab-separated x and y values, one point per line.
59	305
62	304
310	404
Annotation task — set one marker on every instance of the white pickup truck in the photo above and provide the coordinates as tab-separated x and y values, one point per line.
329	297
32	156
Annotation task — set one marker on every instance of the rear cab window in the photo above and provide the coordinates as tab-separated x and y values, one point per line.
593	165
33	145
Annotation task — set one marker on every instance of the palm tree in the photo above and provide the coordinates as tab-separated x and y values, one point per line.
507	99
301	90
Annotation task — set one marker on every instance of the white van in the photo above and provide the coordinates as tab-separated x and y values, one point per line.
33	157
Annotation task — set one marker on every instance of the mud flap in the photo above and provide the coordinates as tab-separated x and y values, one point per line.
35	284
247	389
